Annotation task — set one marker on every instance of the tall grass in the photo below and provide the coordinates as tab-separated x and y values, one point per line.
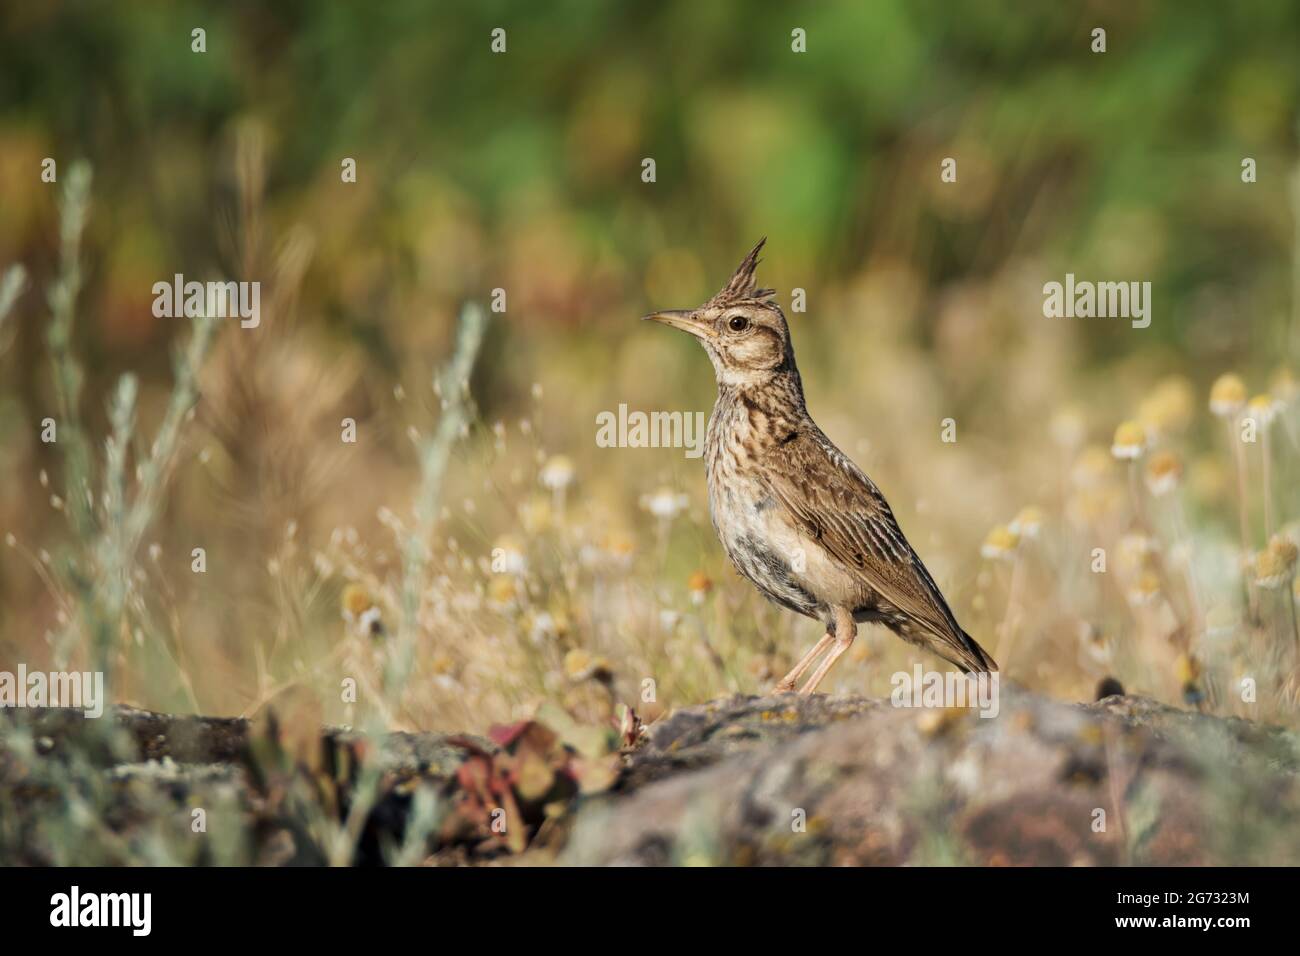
451	385
97	571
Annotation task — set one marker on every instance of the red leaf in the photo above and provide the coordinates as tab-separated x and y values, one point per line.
503	735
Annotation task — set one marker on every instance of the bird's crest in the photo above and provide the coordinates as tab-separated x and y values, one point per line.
742	286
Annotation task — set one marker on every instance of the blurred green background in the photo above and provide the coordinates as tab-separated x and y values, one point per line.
522	169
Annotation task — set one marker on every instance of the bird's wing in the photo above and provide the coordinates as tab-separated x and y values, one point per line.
832	501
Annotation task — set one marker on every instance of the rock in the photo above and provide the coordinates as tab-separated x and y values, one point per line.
748	780
791	780
132	785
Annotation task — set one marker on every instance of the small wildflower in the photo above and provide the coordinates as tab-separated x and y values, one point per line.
665	503
1000	544
542	627
619	549
1028	522
1283	386
557	473
1130	441
575	662
508	557
1227	395
360	610
502	592
1135	550
1145	589
699	585
1263	409
1275	565
1095	642
1163	473
355	600
580	665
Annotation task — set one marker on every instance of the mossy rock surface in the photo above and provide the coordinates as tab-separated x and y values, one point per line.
747	780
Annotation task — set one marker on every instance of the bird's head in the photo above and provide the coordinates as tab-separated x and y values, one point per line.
742	328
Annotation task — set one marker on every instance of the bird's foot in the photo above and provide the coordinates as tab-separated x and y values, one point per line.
784	687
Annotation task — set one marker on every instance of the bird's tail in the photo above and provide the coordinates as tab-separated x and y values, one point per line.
973	658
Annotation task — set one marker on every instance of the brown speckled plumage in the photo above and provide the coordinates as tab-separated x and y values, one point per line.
795	515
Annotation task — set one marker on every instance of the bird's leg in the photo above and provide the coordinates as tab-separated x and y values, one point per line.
845	631
786	684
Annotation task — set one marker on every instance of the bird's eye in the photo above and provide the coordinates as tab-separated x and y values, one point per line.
738	323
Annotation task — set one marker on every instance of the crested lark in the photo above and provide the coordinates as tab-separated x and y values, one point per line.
796	517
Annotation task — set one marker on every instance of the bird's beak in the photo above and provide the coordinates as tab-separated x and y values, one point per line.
684	320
